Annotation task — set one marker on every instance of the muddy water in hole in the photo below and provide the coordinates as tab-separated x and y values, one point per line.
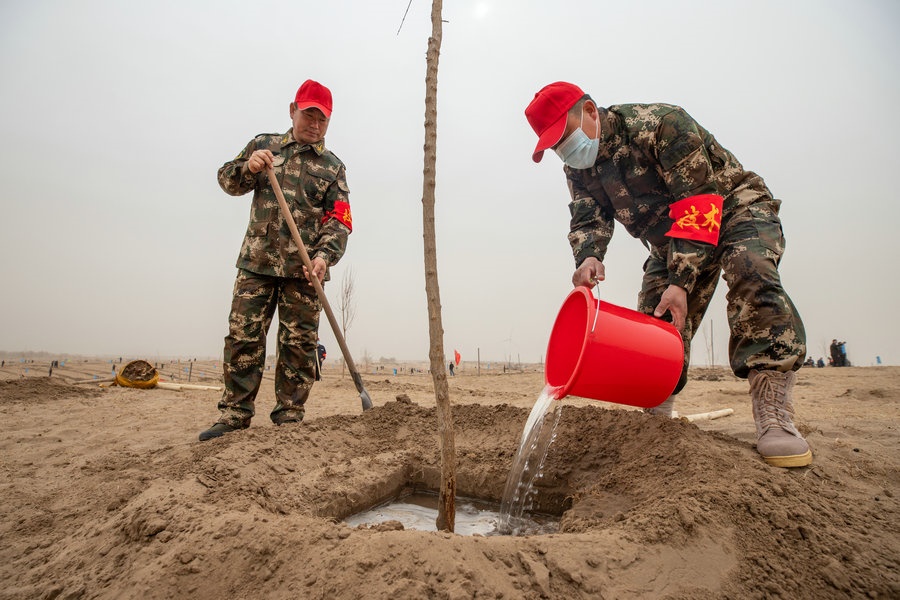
473	517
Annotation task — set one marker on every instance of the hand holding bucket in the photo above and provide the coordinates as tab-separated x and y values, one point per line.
606	352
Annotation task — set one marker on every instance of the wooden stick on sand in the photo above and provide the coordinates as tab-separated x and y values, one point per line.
165	385
708	416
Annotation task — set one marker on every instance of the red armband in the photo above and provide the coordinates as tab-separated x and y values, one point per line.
341	212
697	218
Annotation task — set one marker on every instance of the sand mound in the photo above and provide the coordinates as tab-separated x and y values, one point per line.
649	507
42	389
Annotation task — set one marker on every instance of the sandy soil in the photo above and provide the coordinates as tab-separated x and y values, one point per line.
107	493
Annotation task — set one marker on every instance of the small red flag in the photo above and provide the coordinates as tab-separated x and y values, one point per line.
456	357
697	218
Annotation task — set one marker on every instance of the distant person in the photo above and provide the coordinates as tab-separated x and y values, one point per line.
838	353
820	363
809	362
835	352
450	366
321	354
270	271
671	184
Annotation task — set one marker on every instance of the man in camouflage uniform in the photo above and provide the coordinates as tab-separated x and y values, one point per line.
270	271
667	180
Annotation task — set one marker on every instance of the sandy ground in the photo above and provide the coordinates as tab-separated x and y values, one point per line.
107	493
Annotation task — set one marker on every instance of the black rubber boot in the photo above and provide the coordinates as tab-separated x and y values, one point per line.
217	430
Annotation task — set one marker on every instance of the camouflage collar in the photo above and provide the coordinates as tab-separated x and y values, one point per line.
609	133
288	138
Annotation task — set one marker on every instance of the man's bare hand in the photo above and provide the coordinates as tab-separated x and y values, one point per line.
674	300
319	268
589	273
260	160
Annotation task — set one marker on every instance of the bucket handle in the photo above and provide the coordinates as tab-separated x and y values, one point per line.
597	312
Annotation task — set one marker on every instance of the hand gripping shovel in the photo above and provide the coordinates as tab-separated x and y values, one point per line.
286	213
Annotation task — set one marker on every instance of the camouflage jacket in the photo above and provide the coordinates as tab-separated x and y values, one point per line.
652	155
312	179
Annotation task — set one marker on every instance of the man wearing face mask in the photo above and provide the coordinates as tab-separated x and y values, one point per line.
666	179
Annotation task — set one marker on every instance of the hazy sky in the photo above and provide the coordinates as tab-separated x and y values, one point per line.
115	116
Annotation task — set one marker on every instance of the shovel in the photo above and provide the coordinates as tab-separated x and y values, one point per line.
286	213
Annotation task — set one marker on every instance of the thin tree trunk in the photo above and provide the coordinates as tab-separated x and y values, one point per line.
446	518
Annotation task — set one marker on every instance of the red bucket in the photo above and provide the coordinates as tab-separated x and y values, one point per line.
615	355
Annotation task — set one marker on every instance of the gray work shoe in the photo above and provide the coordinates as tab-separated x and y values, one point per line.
217	430
777	440
664	409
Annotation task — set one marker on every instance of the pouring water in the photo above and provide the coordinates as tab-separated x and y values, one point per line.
539	433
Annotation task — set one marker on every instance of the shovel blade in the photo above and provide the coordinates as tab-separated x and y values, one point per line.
366	401
363	394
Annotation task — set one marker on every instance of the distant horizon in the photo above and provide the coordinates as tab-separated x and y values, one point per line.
270	358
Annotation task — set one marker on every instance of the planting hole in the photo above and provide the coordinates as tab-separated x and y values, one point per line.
418	510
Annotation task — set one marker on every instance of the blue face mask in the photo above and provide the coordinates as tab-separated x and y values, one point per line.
578	150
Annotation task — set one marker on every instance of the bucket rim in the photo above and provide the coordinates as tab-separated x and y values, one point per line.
591	304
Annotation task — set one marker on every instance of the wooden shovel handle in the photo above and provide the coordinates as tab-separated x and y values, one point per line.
304	255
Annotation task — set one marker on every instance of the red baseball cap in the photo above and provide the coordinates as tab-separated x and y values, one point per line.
547	114
314	94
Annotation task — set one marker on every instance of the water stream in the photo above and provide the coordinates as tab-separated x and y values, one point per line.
539	433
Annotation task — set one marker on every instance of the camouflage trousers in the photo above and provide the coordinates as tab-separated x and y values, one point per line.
765	328
252	308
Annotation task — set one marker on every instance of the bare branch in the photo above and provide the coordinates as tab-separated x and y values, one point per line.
404	17
347	303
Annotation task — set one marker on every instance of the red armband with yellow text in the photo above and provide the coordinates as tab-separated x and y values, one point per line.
341	212
697	218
